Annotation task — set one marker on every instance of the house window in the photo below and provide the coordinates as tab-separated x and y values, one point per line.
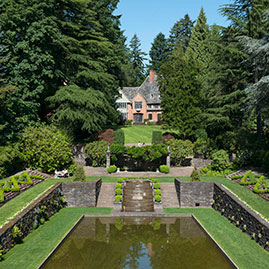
156	106
122	105
159	117
150	116
149	106
138	105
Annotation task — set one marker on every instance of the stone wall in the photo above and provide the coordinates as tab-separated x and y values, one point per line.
51	203
241	215
81	194
194	194
78	152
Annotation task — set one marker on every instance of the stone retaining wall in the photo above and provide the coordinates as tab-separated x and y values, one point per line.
51	202
241	215
81	194
194	194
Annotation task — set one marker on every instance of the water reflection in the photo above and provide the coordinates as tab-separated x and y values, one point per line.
137	243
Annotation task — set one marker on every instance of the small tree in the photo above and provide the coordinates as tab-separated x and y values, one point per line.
195	175
79	174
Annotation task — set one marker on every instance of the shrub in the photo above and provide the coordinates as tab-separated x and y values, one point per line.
112	169
156	185
164	169
220	160
72	169
96	152
128	122
158	198
117	151
16	234
248	179
79	174
201	147
157	192
2	196
120	180
118	191
118	198
195	175
119	137
106	135
201	134
167	136
45	148
179	150
118	186
157	137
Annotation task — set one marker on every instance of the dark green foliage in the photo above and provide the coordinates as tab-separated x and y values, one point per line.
180	91
96	153
164	169
220	160
45	148
72	169
135	69
201	133
201	147
112	169
79	174
158	52
180	149
119	137
195	175
117	151
157	137
180	33
16	234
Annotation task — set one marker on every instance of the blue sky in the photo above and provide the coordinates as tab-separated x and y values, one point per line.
147	18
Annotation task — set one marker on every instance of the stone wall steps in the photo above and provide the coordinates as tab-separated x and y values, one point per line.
106	196
169	195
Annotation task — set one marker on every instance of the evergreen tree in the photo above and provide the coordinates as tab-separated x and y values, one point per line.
137	56
180	33
158	52
180	91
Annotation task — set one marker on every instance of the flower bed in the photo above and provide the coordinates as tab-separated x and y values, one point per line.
254	182
15	185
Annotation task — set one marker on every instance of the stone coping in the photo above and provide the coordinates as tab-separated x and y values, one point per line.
136	214
12	222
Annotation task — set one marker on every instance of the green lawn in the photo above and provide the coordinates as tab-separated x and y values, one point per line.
240	247
139	133
38	244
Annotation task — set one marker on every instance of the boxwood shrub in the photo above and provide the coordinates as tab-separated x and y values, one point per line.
158	198
112	169
118	198
164	169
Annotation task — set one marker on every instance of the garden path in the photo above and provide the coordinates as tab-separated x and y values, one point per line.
169	195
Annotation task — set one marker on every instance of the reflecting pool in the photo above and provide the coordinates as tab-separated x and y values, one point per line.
137	242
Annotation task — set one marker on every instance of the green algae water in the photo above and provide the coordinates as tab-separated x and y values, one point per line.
137	242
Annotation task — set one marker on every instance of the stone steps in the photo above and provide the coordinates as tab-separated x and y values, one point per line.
106	196
169	195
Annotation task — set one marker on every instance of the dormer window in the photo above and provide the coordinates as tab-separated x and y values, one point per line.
138	105
152	95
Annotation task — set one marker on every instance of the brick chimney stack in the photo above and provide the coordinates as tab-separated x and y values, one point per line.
152	73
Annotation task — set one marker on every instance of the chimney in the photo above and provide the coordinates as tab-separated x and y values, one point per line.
152	73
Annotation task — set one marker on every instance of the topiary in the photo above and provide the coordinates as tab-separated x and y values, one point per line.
112	169
156	185
119	137
118	198
118	191
79	174
195	175
157	192
157	137
158	198
164	169
120	180
118	186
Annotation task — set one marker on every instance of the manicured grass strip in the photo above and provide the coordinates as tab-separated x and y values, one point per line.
245	252
41	242
16	204
139	133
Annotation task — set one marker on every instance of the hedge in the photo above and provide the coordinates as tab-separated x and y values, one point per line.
157	137
119	137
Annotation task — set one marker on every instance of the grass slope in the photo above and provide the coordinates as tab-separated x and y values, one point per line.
242	250
38	244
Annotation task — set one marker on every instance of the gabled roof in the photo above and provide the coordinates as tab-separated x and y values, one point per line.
150	92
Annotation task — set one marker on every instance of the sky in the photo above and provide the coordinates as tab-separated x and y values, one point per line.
147	18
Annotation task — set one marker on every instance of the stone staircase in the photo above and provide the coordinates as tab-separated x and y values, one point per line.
137	197
106	195
169	195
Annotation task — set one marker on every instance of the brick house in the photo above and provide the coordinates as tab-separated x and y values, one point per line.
139	103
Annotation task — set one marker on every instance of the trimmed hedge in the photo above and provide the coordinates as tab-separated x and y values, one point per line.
157	137
119	137
164	169
112	169
195	175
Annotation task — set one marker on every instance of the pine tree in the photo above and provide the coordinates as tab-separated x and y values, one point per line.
180	33
137	56
180	91
158	52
